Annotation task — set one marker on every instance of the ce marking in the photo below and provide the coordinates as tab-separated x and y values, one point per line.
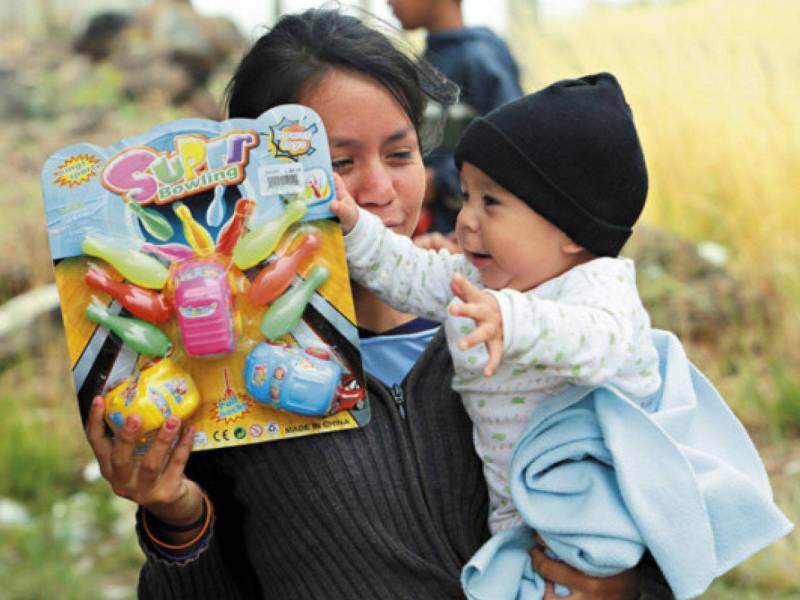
220	433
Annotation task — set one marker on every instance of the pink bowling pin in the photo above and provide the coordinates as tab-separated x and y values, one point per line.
169	252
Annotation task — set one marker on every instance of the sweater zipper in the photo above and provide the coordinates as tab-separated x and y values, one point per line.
399	400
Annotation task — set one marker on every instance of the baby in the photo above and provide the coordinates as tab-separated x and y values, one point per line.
539	300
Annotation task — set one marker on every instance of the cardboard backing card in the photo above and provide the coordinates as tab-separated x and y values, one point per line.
202	274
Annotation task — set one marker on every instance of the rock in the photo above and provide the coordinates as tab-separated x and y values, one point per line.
97	37
164	49
17	315
12	93
149	77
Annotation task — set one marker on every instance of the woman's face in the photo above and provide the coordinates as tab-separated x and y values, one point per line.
374	146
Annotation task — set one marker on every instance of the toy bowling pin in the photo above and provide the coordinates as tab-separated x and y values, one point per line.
276	277
142	303
285	312
153	222
196	235
142	336
230	233
169	252
260	241
216	210
136	267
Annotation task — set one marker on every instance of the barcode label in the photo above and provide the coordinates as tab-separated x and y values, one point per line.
281	179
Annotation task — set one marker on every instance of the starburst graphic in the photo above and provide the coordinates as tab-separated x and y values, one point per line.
232	407
76	170
291	139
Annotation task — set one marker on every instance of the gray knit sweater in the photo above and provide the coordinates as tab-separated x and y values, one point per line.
389	511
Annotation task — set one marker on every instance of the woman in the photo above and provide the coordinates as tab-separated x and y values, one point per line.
392	510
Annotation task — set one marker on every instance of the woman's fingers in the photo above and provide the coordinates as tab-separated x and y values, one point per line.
436	241
556	570
152	464
122	462
98	440
623	586
550	592
180	455
158	477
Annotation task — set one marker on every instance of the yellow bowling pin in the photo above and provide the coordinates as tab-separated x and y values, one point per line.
196	235
136	267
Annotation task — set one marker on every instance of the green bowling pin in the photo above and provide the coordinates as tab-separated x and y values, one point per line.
284	314
154	223
142	336
258	243
136	267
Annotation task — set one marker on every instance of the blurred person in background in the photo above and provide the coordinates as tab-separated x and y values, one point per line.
481	64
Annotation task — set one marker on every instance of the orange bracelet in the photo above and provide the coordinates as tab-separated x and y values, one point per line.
189	544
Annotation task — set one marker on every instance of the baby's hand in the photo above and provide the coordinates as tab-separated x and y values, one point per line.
482	308
343	206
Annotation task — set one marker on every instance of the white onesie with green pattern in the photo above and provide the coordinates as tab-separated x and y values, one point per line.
584	327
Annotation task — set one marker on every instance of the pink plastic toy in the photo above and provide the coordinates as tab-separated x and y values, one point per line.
204	305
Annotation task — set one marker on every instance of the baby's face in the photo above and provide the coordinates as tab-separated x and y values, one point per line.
506	240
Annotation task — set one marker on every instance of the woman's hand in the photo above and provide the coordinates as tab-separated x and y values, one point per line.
622	586
344	206
481	307
436	241
156	481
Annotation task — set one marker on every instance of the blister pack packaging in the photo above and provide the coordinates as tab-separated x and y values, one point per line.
202	274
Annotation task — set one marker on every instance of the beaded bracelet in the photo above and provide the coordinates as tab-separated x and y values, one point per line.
205	518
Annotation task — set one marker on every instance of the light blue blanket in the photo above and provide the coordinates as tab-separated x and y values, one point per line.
602	480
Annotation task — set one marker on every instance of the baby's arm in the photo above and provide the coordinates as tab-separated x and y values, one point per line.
409	278
585	336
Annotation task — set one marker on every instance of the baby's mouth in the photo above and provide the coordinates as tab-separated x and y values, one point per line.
479	259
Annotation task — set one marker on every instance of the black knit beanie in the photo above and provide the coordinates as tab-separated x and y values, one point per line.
570	151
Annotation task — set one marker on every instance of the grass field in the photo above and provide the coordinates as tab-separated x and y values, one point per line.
714	89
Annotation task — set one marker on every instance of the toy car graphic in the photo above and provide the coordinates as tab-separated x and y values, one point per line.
305	382
350	394
204	305
160	389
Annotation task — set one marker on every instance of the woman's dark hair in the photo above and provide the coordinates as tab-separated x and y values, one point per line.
302	48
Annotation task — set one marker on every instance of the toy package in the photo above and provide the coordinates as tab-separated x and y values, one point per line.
202	274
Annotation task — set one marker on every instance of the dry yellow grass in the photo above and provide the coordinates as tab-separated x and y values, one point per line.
714	89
